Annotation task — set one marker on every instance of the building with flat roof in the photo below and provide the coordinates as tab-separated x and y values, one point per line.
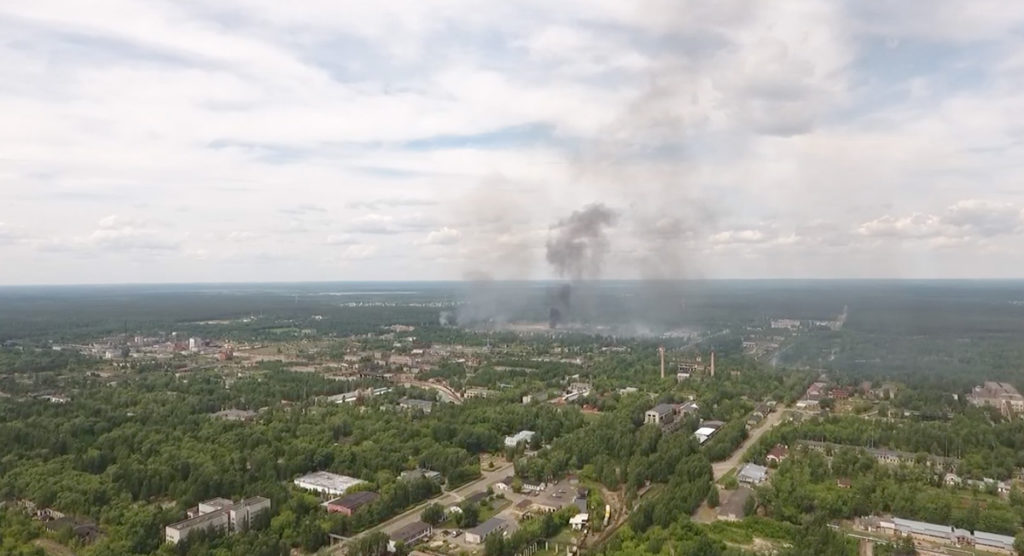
217	514
348	504
999	395
325	483
704	433
493	526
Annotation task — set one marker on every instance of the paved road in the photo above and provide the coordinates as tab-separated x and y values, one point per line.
446	499
723	467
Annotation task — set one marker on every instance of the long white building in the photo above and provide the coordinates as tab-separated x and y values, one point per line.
330	484
217	514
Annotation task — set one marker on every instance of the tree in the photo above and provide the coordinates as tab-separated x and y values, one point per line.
1018	543
433	514
375	544
713	497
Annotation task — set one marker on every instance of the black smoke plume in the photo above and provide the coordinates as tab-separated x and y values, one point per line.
578	244
576	250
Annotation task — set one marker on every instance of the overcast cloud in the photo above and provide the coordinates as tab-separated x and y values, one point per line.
158	140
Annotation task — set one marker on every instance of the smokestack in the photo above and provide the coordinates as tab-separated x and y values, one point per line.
661	352
712	364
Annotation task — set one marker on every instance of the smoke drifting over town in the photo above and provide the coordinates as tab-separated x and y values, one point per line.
579	244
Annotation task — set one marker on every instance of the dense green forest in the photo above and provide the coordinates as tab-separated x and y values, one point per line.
133	457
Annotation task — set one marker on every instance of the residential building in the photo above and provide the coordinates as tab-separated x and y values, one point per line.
218	514
752	474
504	485
660	414
521	437
778	453
328	484
410	534
734	508
493	526
348	504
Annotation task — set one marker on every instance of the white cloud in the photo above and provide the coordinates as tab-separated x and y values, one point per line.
442	236
787	132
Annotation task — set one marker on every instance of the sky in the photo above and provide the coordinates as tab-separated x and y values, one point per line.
257	141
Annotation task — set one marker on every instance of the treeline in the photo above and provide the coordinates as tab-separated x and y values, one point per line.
985	449
808	483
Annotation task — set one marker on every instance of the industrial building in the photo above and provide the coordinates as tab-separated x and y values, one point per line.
999	395
410	535
348	504
493	526
324	483
217	514
942	534
661	414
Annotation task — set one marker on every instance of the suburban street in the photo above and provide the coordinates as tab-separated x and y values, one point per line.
446	499
721	468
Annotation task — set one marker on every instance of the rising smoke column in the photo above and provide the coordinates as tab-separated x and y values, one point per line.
578	245
576	250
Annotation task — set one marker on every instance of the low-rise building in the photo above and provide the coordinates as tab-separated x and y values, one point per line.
661	414
493	526
410	534
941	534
579	521
778	453
350	503
704	433
752	474
325	483
1000	395
217	514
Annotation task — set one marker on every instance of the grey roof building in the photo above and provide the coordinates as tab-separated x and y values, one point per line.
492	526
752	474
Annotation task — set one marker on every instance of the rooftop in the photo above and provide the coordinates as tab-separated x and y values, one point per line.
663	409
355	500
410	531
753	473
328	481
488	527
